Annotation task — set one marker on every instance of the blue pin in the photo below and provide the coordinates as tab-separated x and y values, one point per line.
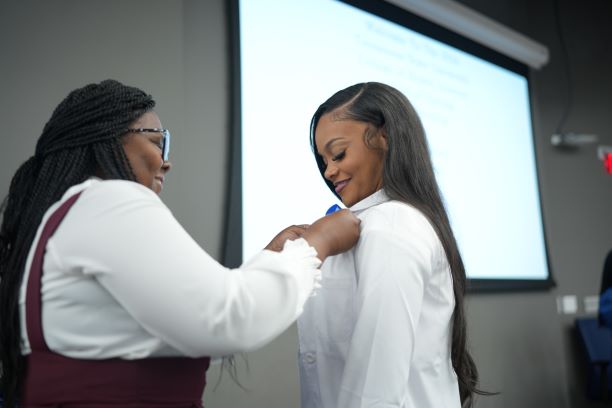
333	209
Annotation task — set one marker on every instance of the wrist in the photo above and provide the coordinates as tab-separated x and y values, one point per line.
318	244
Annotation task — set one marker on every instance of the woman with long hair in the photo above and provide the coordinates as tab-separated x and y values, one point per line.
105	300
388	328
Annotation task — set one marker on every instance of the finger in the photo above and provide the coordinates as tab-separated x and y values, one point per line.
300	226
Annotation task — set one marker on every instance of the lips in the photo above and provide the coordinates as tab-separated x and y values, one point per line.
339	186
160	179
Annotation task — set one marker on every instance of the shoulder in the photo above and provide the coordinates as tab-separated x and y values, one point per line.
120	188
396	217
118	191
396	226
115	197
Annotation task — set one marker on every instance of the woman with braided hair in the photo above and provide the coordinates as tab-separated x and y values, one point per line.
105	300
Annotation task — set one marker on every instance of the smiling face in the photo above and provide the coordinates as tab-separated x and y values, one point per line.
354	167
144	152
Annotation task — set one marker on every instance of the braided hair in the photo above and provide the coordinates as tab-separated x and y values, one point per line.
81	139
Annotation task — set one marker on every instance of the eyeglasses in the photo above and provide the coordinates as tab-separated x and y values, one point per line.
165	141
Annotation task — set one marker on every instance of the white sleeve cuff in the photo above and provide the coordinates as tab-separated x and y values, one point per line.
297	260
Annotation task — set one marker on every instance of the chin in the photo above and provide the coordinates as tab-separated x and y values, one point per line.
348	203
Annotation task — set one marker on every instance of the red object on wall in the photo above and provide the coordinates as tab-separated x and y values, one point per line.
608	162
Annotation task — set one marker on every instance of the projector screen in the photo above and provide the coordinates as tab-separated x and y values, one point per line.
291	55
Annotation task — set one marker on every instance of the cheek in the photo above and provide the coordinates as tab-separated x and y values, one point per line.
145	167
150	159
375	170
381	166
155	162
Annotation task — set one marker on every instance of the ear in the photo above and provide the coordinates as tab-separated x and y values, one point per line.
381	140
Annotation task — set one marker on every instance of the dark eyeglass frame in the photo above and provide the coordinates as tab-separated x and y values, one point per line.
165	139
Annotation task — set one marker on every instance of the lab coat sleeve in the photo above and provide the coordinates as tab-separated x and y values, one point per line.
393	262
138	251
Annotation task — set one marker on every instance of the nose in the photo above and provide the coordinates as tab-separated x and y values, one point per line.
166	166
330	172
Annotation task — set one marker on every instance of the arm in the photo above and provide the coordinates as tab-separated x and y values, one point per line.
174	289
329	235
392	262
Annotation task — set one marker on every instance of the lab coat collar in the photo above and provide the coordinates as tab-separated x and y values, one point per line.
378	197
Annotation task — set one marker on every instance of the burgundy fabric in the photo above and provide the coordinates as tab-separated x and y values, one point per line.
52	380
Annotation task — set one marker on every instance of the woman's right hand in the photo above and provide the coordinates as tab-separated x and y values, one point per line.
333	234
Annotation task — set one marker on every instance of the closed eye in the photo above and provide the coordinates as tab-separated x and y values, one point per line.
159	142
339	156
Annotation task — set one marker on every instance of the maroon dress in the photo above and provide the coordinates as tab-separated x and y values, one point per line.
52	380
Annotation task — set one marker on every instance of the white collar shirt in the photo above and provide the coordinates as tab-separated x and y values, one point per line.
122	278
378	332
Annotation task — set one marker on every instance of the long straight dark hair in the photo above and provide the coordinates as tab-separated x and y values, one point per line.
408	176
81	139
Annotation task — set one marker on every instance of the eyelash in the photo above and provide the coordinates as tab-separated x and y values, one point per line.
339	156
